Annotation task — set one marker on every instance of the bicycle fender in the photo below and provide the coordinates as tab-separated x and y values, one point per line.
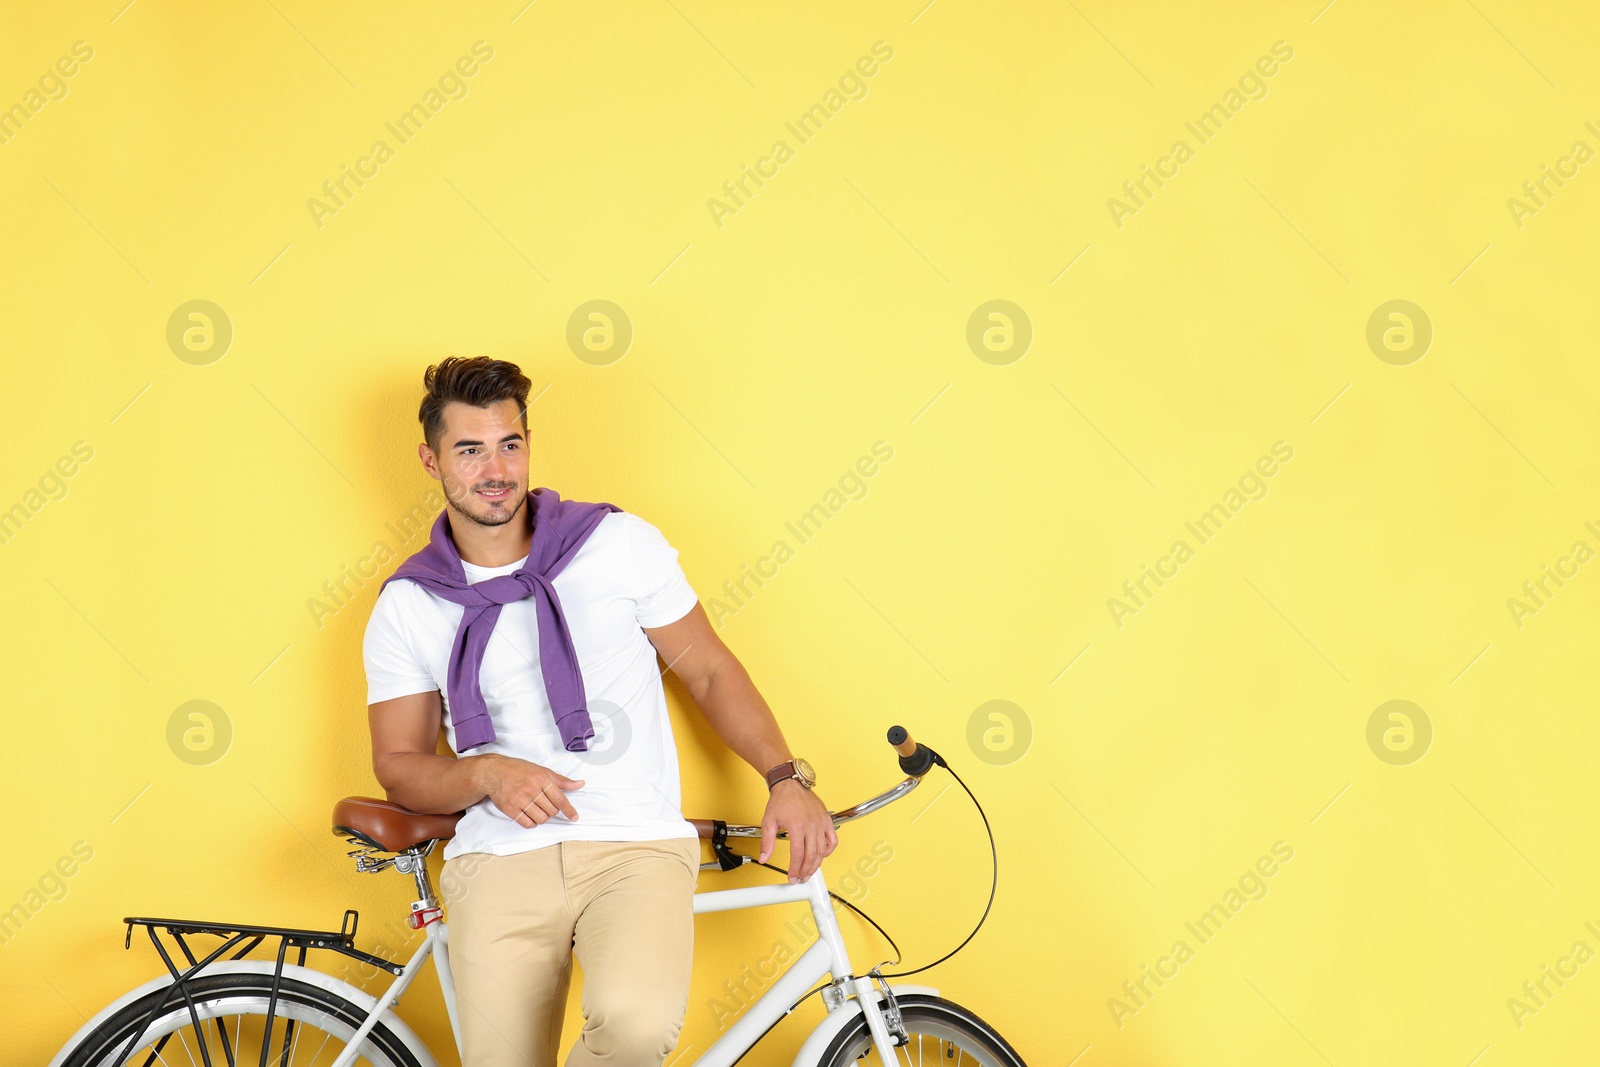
365	1001
811	1052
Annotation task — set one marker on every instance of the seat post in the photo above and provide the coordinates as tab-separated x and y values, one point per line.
413	861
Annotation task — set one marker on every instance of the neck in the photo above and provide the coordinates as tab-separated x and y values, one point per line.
493	546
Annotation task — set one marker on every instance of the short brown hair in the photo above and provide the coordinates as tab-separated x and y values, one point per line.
479	381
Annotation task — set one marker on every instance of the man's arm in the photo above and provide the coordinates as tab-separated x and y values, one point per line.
405	731
724	693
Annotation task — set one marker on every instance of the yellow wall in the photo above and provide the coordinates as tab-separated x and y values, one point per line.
1176	341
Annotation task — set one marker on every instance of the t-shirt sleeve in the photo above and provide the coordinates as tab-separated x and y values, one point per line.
393	669
662	590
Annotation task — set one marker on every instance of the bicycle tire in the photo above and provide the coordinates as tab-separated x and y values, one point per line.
929	1016
304	1003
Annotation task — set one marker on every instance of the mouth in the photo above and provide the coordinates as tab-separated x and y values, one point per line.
494	495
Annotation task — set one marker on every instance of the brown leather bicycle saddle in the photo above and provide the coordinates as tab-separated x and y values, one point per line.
389	826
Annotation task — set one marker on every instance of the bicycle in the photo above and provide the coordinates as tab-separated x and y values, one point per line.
866	1016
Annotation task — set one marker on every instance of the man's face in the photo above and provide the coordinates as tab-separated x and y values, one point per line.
482	462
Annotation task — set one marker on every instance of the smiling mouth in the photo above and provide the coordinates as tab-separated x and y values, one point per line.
494	495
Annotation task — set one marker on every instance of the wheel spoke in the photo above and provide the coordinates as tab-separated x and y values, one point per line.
163	1059
326	1037
297	1011
235	1045
183	1039
945	1035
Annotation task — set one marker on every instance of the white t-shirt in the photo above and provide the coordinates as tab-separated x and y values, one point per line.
624	577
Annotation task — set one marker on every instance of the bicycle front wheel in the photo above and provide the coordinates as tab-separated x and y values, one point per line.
939	1032
310	1026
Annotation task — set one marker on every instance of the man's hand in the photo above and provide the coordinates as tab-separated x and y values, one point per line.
528	793
798	812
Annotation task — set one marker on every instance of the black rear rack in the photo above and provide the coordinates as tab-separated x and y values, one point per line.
342	940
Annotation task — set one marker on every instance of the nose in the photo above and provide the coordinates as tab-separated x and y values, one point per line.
493	468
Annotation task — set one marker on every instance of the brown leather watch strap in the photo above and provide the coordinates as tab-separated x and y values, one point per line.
780	772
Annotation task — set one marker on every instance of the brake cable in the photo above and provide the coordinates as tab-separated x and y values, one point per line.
846	903
994	882
994	879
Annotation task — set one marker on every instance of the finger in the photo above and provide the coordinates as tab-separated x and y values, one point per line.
558	800
519	813
769	838
813	851
798	853
544	804
567	783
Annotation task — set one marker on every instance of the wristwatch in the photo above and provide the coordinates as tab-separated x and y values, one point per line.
797	768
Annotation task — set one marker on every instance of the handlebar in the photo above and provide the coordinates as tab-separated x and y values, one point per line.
916	760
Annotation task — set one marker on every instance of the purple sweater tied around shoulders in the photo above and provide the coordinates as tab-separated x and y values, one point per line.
560	527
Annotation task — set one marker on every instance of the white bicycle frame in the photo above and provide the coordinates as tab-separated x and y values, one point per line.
848	994
826	956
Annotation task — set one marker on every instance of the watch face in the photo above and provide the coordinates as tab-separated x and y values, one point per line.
803	771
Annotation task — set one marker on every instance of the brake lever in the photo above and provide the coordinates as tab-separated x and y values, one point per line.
727	859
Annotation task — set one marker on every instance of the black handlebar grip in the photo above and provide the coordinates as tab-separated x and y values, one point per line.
916	759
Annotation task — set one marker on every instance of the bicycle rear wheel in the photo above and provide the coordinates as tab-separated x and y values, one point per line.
939	1032
310	1027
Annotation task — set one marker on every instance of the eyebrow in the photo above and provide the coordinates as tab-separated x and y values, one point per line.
508	437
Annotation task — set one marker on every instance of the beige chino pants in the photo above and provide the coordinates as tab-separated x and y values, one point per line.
625	908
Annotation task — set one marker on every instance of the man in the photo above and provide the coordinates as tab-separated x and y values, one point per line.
546	683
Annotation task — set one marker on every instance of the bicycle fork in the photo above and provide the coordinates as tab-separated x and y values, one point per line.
884	1024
